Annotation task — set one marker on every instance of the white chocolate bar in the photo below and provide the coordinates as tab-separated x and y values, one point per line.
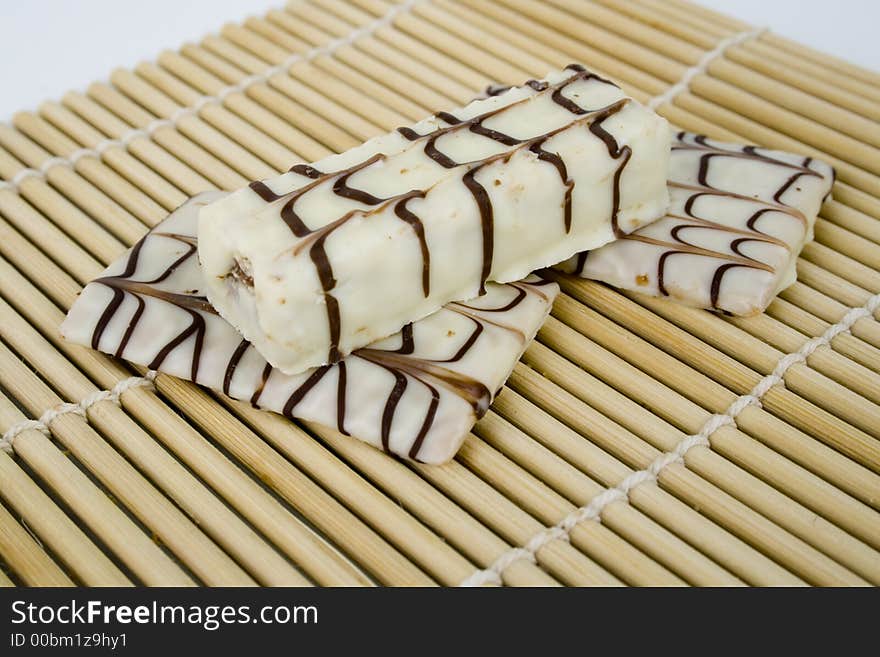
739	217
416	394
335	255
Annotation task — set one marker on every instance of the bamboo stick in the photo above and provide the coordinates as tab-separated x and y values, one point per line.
696	10
204	83
228	123
812	419
44	197
830	310
853	220
843	277
5	582
112	217
120	160
373	46
214	141
386	514
800	379
359	69
55	529
626	555
129	197
148	151
412	47
171	527
286	531
841	266
536	498
837	239
811	84
216	519
780	45
560	445
597	428
839	289
202	161
92	505
827	360
829	61
34	224
799	103
720	24
364	546
800	448
559	557
294	88
797	484
272	94
621	24
394	478
556	47
788	515
362	117
344	79
765	48
617	18
850	345
693	19
25	557
705	35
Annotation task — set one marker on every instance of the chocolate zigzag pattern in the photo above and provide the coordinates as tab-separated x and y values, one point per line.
155	293
315	239
684	218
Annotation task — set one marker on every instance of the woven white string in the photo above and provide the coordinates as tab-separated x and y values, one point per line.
620	492
181	113
591	511
702	66
79	408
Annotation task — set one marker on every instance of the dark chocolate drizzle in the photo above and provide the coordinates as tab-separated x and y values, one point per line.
679	245
122	283
340	185
405	367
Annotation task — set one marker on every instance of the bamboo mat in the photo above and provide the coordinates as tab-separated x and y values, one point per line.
612	456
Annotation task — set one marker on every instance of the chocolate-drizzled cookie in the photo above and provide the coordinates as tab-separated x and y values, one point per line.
740	216
338	253
415	394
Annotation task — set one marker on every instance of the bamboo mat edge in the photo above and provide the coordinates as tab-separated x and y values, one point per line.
542	545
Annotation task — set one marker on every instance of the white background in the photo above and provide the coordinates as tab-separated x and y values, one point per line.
50	46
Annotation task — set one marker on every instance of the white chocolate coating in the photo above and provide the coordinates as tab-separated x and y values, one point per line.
415	394
739	217
326	259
